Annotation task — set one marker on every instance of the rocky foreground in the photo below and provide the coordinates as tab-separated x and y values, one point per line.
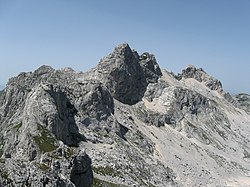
125	122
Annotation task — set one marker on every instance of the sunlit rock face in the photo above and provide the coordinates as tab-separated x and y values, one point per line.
125	122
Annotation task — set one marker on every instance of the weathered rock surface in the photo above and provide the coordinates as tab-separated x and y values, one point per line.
201	76
81	173
125	122
126	74
244	101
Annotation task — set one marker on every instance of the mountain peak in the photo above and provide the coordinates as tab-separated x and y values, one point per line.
200	75
127	74
122	119
122	47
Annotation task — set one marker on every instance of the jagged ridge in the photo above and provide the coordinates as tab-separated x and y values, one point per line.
140	125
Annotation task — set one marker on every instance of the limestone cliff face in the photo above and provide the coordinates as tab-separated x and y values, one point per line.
125	122
244	101
200	75
126	74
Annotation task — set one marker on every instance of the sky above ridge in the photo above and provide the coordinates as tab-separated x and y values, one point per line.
212	34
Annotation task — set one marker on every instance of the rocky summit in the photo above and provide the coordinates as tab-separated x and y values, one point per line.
124	123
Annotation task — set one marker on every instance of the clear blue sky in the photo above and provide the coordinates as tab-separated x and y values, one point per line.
212	34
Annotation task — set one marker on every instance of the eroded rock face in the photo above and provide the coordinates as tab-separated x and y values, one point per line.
244	101
201	76
81	173
122	74
95	101
170	105
139	126
48	107
126	74
150	67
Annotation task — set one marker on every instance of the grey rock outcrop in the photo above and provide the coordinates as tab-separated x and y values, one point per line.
243	100
47	107
201	76
126	74
81	173
150	67
124	123
179	101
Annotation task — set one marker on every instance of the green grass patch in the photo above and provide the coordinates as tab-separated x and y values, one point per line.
69	153
43	167
45	141
139	135
101	183
106	171
18	126
5	176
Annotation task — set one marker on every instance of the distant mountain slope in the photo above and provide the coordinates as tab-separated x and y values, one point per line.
125	122
244	100
1	89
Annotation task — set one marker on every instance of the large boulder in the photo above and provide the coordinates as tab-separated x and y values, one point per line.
81	173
